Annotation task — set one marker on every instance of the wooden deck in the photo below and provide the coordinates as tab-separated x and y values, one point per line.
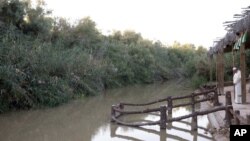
217	119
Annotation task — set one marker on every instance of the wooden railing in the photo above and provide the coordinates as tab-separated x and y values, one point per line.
234	117
166	110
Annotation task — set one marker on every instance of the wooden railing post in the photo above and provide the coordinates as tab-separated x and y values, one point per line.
194	125
163	118
248	119
121	106
237	121
112	113
194	118
170	105
228	98
113	129
193	102
195	135
228	115
216	98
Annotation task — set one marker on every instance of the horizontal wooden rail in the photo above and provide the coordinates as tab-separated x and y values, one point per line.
205	99
190	103
137	112
181	97
181	105
145	104
194	94
165	99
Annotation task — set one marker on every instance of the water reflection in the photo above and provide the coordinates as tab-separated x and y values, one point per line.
149	133
88	119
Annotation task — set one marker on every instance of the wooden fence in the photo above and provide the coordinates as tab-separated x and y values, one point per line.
210	94
233	116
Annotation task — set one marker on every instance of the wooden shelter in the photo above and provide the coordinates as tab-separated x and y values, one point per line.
236	39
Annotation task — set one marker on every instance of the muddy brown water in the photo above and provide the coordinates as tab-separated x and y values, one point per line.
88	119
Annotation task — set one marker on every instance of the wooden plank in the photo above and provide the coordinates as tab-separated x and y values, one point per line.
137	112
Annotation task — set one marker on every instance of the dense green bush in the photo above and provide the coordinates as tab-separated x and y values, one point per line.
45	61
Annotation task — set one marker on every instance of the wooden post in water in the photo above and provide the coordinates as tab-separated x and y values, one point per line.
112	113
193	102
195	135
163	135
170	105
163	118
112	130
194	125
237	121
216	98
248	119
121	106
228	115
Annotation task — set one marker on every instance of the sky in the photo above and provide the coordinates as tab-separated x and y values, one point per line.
186	21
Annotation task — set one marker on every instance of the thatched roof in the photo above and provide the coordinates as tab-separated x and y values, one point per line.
234	28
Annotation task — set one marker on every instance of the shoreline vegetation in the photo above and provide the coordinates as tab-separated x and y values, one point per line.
47	61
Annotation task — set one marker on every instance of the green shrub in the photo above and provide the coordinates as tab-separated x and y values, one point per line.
46	62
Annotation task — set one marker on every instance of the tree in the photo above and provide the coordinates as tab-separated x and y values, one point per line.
12	12
130	37
37	21
85	32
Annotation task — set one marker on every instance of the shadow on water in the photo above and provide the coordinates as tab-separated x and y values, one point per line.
88	119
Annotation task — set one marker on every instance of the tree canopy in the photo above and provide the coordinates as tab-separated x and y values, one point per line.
46	61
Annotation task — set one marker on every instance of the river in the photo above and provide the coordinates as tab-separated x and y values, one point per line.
88	119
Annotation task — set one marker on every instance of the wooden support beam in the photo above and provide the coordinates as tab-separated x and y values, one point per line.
243	72
211	69
220	71
232	67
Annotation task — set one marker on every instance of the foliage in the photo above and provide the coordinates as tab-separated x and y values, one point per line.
47	61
